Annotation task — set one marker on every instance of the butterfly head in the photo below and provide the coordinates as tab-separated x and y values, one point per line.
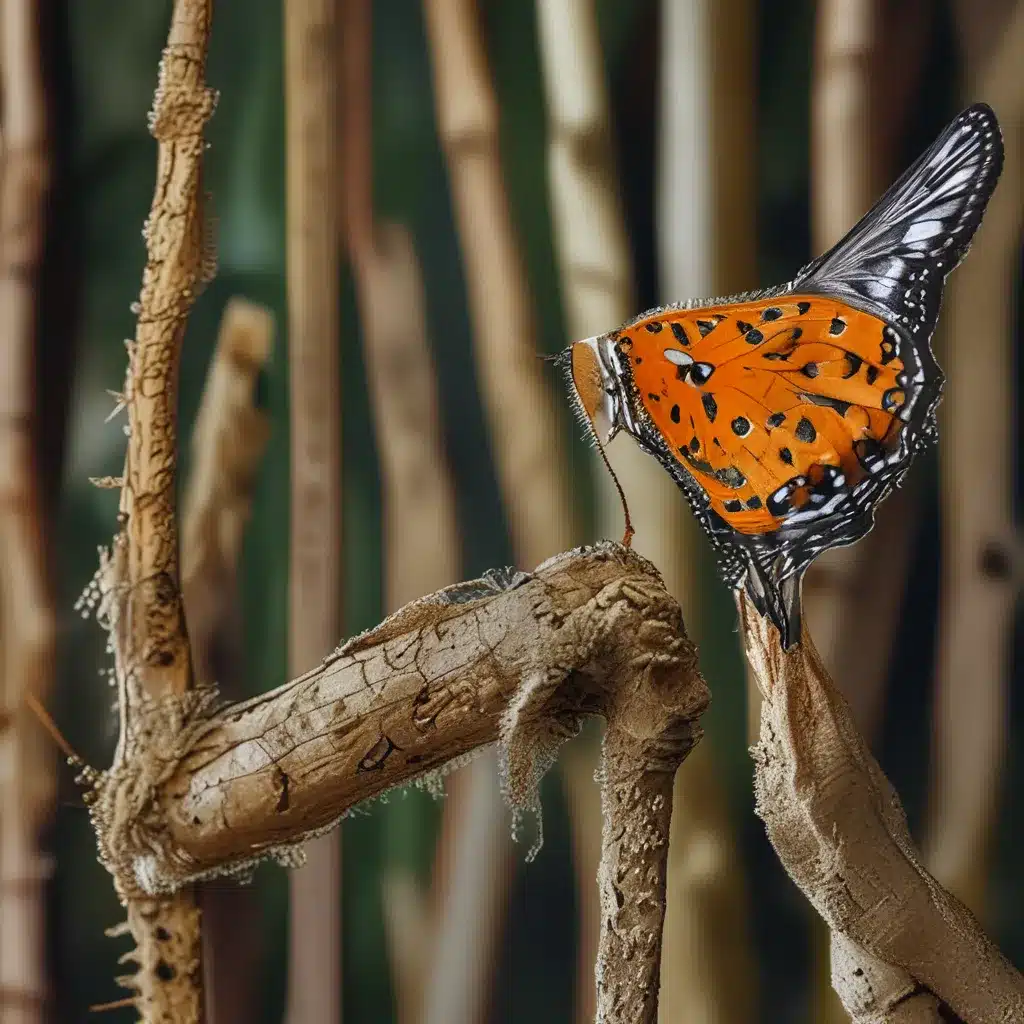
596	385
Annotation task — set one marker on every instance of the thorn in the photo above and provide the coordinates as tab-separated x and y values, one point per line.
107	483
51	727
117	1004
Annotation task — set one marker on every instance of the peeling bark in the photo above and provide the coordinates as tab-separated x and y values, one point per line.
901	943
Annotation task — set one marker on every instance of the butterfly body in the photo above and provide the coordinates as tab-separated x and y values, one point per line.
786	415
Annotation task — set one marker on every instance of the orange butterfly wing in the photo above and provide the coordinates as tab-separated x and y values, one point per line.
752	398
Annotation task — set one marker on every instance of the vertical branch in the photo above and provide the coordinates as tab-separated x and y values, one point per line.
139	581
311	89
26	612
981	551
517	399
228	441
705	213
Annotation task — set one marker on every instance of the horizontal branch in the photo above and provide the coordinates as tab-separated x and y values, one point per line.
513	658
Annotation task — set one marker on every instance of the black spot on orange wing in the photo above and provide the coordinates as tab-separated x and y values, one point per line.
805	431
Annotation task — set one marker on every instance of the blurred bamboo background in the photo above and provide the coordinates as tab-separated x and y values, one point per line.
485	181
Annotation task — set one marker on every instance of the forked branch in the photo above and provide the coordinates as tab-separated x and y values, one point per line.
513	659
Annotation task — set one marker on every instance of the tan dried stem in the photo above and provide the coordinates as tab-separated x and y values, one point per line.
515	659
139	580
983	555
27	628
228	441
901	944
517	398
311	171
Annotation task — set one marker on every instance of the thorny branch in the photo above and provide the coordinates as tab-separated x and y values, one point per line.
512	658
138	584
903	949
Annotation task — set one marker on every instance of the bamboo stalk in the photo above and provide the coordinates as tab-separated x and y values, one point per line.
27	627
523	428
981	548
518	401
228	441
311	89
444	976
705	204
853	593
596	274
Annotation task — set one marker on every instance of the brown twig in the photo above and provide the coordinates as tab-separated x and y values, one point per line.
311	90
139	580
27	628
983	564
901	943
228	441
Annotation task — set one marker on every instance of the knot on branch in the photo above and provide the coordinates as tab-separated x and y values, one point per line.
125	807
182	104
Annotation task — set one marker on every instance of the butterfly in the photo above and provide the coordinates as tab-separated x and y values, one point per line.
786	415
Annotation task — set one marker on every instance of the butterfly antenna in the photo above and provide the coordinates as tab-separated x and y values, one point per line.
627	537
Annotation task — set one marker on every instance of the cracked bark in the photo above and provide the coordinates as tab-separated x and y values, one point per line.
138	582
901	944
518	660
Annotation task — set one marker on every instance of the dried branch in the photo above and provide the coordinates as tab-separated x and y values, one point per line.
27	627
901	944
311	91
138	581
982	549
518	659
228	441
